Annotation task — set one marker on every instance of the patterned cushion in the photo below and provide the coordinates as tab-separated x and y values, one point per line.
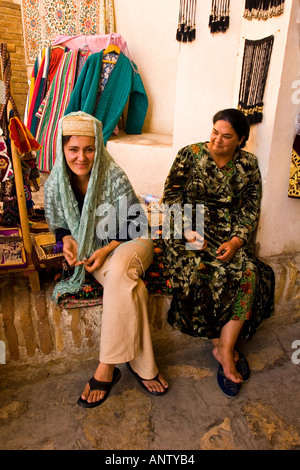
156	280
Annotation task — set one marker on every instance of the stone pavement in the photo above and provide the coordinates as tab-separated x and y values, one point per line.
38	409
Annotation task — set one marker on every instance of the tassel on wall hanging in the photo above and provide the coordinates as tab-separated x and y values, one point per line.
219	16
256	60
263	9
186	31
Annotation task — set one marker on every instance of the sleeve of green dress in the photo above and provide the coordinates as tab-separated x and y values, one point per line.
174	196
245	214
177	178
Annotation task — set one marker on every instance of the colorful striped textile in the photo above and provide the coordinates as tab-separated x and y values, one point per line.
41	82
55	106
32	83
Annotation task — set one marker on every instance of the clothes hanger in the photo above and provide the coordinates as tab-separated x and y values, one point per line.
85	48
112	48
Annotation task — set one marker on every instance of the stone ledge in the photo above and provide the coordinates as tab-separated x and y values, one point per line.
144	139
35	330
145	154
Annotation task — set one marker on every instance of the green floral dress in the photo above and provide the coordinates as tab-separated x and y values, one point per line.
207	293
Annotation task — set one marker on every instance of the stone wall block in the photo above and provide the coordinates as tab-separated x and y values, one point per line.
75	327
42	323
35	329
293	275
7	312
11	33
58	334
23	311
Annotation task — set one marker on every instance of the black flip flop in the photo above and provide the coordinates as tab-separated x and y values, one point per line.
103	387
140	381
242	367
229	388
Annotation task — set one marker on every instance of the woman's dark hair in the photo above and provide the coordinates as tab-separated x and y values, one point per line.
73	181
238	121
65	139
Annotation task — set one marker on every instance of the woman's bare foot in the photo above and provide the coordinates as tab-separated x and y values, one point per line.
104	373
216	341
228	361
156	385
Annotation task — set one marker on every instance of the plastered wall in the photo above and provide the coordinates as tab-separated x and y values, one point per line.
188	83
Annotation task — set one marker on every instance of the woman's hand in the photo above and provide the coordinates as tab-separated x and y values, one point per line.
98	257
228	249
70	250
96	260
195	240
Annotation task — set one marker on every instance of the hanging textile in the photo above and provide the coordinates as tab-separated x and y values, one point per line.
54	107
6	171
22	138
42	75
263	9
107	17
256	60
219	16
186	31
12	129
5	76
47	62
94	43
43	20
34	83
25	144
123	83
294	183
44	115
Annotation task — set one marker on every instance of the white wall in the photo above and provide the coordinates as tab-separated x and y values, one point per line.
187	83
279	228
206	76
149	28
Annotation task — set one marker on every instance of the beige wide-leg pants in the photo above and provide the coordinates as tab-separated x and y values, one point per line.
125	331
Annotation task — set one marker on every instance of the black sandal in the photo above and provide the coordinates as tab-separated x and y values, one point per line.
229	388
140	381
103	387
242	367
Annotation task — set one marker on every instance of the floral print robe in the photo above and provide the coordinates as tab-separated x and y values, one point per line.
207	293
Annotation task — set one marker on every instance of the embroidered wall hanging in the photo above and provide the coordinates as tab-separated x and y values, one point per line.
13	130
6	170
43	20
294	184
12	253
5	77
219	16
263	9
186	31
256	60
